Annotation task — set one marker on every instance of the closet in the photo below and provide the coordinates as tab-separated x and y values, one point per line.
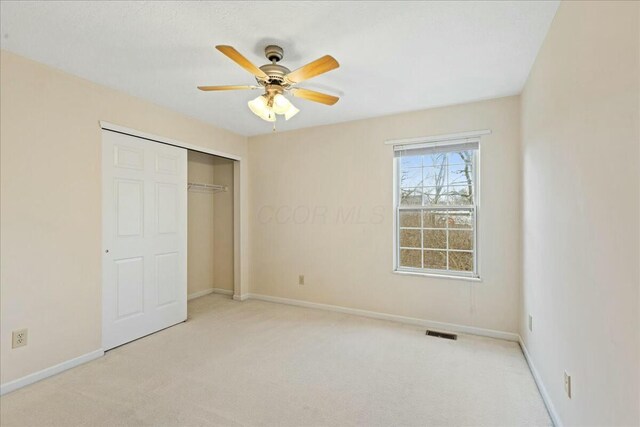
167	232
209	224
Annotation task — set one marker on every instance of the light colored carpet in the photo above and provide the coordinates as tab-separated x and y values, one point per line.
258	363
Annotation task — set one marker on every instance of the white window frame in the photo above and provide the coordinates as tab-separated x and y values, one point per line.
444	140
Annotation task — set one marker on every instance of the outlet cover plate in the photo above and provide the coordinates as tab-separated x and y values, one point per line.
19	338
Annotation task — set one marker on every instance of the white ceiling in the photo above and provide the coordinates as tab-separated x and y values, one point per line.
395	56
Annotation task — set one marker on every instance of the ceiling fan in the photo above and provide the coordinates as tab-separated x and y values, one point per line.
276	80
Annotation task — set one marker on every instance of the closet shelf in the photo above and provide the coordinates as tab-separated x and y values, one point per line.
206	188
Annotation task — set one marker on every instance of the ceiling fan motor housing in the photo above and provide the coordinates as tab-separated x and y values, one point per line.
276	72
273	53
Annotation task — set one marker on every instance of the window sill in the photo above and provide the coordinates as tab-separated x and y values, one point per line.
438	276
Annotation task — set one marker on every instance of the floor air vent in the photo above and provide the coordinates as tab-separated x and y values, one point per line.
442	335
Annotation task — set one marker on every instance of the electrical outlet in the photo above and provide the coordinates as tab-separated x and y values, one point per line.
19	338
567	384
301	279
531	323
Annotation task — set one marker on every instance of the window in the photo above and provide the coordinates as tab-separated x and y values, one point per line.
437	208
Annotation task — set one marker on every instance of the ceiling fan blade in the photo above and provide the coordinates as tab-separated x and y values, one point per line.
312	69
314	96
237	57
231	87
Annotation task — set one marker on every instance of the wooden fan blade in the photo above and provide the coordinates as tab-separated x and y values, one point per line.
312	69
231	87
314	96
237	57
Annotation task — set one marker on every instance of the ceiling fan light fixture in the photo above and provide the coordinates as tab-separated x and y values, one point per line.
258	105
260	108
292	111
269	116
276	80
281	104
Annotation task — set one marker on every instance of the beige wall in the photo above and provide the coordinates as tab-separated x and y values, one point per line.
223	225
50	217
580	142
321	205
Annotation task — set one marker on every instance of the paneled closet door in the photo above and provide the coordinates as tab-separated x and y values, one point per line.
144	216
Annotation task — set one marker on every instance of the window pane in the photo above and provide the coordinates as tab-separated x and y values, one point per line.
435	259
460	195
460	219
435	239
460	174
436	159
411	178
435	196
410	238
461	261
433	177
461	239
460	157
410	258
410	218
410	162
411	196
435	219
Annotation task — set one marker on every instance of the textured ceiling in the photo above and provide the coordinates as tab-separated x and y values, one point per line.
395	56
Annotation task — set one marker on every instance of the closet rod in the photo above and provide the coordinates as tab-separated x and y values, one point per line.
206	188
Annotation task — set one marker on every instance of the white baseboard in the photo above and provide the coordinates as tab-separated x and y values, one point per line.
242	297
209	291
222	291
48	372
393	317
543	390
199	294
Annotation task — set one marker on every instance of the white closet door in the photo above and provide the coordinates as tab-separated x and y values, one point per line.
144	197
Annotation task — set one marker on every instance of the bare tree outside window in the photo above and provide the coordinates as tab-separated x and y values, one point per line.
436	211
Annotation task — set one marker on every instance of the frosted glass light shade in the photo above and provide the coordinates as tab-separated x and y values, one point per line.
260	108
292	111
280	104
258	105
